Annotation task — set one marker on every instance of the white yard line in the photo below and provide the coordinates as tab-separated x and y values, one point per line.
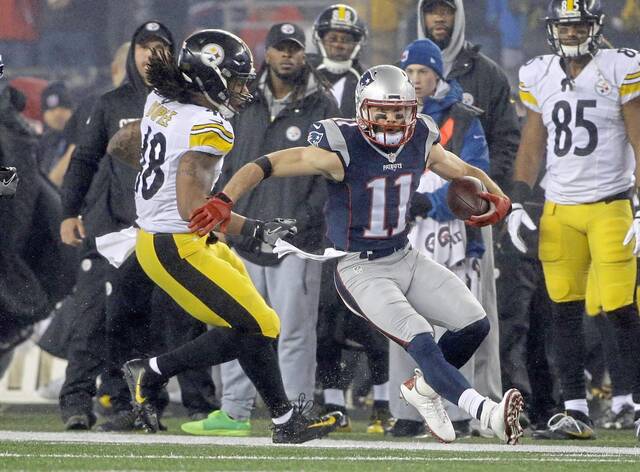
590	452
560	458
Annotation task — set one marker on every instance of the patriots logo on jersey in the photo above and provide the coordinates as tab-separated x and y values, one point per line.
314	138
366	79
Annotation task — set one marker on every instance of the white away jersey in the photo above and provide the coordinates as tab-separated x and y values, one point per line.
169	129
588	154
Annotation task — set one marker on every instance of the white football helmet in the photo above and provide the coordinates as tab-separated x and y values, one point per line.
386	87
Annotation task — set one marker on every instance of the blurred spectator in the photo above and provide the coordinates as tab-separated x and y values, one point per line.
18	32
57	110
31	89
71	33
509	18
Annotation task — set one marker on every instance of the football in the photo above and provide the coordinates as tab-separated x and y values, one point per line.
463	197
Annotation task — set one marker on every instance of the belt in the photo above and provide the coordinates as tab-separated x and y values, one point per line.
626	195
378	253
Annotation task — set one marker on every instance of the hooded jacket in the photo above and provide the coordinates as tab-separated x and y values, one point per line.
342	85
485	86
102	189
301	198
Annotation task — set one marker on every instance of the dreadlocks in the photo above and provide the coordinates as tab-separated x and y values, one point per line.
166	79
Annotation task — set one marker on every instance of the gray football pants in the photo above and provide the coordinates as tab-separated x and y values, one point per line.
483	369
292	289
406	294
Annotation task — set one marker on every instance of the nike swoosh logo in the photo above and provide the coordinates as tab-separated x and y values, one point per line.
139	398
478	136
330	421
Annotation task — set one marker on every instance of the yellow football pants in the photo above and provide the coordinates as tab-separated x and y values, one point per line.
577	239
207	280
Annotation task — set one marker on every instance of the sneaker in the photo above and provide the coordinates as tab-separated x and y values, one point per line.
430	407
218	423
379	421
144	385
79	422
406	428
570	425
620	420
301	428
344	423
504	418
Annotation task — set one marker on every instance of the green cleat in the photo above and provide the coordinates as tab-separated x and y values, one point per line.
217	423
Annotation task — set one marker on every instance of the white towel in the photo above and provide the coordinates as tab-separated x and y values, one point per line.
117	247
443	242
282	248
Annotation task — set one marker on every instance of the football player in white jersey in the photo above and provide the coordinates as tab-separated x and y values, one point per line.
185	134
583	105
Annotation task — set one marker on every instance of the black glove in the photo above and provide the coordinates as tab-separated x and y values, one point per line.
8	181
420	206
268	232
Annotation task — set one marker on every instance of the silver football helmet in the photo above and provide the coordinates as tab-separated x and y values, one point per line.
383	92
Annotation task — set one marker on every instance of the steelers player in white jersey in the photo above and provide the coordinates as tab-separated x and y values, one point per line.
185	134
583	105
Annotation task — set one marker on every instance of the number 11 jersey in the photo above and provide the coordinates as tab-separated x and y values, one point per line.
169	129
588	153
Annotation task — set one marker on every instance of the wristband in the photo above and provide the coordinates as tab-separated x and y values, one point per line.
265	164
224	197
520	192
252	228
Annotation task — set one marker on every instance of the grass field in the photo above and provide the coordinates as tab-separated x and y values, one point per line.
32	439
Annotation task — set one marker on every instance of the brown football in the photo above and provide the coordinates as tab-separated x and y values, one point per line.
463	197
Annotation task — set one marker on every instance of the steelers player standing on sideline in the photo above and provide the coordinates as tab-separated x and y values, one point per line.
339	34
583	104
185	137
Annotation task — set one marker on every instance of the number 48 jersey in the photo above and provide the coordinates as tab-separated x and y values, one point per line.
169	129
588	153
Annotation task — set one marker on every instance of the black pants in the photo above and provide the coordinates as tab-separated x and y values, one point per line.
85	350
143	321
338	329
524	311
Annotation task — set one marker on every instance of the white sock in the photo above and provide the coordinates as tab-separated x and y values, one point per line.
618	402
153	363
381	392
284	418
577	405
334	396
470	401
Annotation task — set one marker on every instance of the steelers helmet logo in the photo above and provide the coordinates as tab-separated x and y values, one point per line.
212	54
287	29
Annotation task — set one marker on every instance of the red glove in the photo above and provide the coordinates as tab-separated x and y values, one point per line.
499	208
217	211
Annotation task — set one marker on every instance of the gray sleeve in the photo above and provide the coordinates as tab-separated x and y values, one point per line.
336	141
434	134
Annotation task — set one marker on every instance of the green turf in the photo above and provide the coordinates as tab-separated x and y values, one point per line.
51	456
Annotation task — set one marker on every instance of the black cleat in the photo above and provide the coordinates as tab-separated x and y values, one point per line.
569	425
301	428
79	422
144	386
125	420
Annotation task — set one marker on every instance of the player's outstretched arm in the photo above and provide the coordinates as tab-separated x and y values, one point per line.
291	162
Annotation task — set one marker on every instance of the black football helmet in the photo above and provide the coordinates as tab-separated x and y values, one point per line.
1	67
339	17
565	12
210	60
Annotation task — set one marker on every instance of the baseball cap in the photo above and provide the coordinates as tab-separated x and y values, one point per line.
285	32
153	31
430	3
55	95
